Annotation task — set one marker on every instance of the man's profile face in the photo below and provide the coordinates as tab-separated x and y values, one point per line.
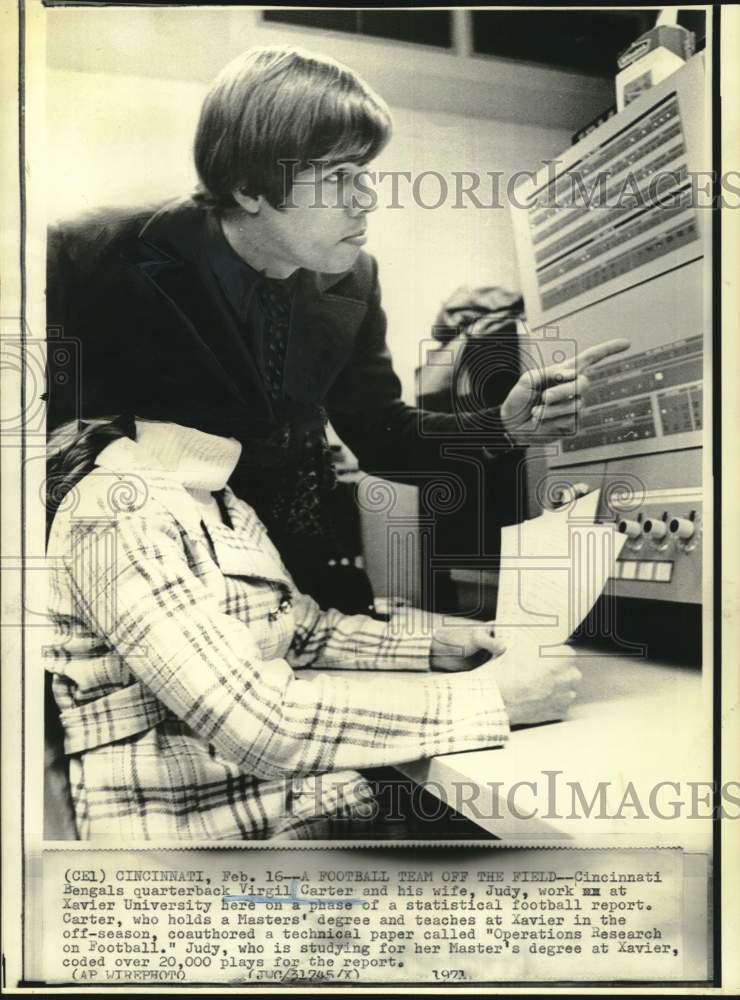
323	222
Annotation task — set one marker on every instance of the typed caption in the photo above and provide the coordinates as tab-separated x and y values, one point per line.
333	917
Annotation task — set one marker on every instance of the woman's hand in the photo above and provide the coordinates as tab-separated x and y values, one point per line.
463	646
534	689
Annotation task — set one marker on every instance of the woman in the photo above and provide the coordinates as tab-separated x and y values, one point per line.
179	634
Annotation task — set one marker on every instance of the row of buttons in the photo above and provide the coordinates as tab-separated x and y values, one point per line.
630	569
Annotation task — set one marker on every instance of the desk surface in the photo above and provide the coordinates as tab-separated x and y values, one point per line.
636	724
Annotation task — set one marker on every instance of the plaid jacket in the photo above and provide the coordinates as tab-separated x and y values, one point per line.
176	669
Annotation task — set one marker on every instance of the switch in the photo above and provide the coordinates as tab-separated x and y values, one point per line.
632	529
663	572
682	527
645	571
654	529
628	570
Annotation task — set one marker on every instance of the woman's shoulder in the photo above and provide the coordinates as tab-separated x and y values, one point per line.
127	498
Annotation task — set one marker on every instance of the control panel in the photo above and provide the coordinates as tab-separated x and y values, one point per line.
618	208
662	555
612	242
652	396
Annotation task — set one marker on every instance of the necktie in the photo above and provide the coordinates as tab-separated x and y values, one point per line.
276	304
294	509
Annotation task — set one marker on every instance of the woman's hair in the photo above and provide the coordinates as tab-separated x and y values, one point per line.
274	106
71	453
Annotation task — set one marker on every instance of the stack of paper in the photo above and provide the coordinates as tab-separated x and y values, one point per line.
553	569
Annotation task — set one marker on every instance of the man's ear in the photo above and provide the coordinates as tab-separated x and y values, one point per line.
249	202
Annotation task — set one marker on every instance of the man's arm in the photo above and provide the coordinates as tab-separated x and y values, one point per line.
394	439
94	326
387	435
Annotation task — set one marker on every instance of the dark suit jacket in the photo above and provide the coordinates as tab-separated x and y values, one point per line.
138	323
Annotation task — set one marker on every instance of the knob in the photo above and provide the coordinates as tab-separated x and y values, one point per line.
655	529
682	528
632	529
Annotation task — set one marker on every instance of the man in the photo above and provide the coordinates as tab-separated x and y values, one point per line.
252	308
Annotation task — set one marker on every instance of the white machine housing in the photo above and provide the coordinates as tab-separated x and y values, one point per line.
613	240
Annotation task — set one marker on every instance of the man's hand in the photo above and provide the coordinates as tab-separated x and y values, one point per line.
463	645
534	689
544	402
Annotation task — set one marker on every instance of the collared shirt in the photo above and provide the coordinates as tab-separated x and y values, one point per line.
291	497
176	658
240	284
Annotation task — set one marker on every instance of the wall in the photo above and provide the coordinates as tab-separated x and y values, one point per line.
123	93
122	103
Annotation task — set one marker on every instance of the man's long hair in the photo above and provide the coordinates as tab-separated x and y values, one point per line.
277	106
